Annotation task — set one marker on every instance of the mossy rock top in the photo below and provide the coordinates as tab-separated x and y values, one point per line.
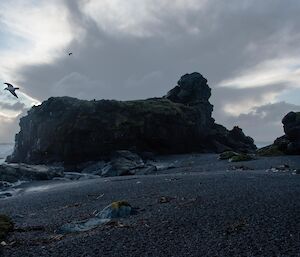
227	155
271	150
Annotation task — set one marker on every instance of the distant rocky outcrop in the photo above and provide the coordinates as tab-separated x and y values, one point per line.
71	131
288	143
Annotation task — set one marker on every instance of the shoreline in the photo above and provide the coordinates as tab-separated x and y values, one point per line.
166	164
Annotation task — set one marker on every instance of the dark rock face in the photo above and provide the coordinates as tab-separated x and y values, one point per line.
191	89
290	142
72	131
228	140
291	125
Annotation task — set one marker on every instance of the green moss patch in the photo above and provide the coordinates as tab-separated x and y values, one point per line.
241	158
119	204
271	150
6	226
227	155
157	106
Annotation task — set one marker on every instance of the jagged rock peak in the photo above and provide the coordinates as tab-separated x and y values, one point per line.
191	89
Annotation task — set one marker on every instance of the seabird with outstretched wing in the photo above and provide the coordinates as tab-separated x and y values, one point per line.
11	89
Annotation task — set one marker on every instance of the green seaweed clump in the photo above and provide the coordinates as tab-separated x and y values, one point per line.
119	204
227	155
241	158
6	225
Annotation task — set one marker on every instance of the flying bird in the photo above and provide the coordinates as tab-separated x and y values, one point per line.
70	54
11	89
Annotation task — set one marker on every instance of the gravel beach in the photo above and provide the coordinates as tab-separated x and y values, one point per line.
200	207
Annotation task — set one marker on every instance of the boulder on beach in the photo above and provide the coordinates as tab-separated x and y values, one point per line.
73	131
288	143
291	126
115	210
123	163
118	209
241	158
227	155
14	172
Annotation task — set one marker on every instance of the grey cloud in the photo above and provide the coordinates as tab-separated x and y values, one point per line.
270	112
232	37
220	50
225	95
8	130
264	122
251	123
9	127
18	106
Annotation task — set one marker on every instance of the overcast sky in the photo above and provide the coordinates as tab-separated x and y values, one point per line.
247	49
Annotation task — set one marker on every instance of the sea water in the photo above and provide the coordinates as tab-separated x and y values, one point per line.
7	189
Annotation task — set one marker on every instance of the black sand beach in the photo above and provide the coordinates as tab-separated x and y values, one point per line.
199	208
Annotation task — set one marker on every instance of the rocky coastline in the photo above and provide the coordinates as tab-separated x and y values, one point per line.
69	139
147	178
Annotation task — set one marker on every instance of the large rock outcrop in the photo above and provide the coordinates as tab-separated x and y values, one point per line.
290	142
291	126
68	130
